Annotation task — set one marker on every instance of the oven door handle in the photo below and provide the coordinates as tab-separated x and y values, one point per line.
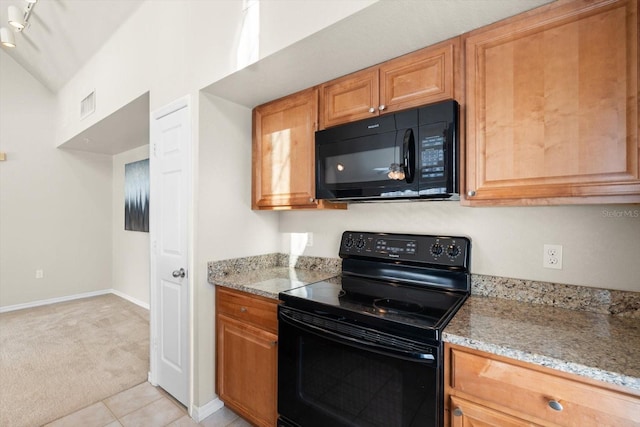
426	358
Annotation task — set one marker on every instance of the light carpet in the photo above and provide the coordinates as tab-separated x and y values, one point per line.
59	358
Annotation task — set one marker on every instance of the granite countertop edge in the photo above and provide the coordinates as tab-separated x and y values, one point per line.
581	370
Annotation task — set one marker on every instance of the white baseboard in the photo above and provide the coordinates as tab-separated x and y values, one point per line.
53	300
130	299
199	413
38	303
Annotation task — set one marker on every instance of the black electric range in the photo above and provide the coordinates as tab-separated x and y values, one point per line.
383	316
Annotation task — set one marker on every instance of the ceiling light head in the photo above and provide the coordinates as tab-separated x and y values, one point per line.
16	18
6	37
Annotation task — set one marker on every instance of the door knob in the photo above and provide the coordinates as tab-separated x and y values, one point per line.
179	273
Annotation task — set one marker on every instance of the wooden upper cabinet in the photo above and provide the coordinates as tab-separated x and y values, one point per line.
552	106
350	98
419	78
283	175
415	79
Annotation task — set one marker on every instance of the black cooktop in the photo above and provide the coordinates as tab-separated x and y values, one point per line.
405	304
398	283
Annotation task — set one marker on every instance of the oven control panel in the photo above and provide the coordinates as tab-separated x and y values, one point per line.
445	251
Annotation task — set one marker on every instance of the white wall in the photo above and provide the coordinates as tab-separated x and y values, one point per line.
130	253
227	227
601	243
174	48
55	205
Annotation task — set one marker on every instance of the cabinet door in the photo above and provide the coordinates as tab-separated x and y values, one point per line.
247	370
469	414
419	78
349	98
552	106
283	152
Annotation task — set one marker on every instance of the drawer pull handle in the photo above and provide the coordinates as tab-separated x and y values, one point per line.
243	309
555	405
457	412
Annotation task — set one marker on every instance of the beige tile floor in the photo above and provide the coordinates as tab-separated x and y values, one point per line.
144	406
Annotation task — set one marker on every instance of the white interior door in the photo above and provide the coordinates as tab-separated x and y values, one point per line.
169	204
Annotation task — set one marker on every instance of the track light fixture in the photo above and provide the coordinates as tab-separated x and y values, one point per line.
18	21
16	18
6	37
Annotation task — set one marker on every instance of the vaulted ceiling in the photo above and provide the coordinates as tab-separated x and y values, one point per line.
64	34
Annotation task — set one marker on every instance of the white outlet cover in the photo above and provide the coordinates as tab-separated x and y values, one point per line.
552	256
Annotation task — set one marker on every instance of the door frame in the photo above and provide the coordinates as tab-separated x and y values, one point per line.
180	103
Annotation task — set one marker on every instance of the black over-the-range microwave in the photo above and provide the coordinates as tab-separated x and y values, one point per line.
405	155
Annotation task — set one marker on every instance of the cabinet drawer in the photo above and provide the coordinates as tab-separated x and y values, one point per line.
528	392
253	309
465	413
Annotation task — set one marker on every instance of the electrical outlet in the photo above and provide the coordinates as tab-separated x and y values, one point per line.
309	239
39	274
552	256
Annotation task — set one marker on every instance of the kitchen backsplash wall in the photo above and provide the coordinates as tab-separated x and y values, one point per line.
595	300
601	243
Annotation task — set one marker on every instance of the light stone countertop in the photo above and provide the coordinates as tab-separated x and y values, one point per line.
594	333
592	345
270	281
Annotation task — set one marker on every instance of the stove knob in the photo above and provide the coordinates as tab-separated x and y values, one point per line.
348	242
453	251
360	244
436	249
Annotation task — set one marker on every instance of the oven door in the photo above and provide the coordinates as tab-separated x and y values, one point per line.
327	378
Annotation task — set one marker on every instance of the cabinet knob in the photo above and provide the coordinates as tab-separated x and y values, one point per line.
372	110
382	107
457	412
555	405
311	199
243	309
471	193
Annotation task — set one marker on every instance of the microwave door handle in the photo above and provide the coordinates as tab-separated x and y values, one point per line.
409	150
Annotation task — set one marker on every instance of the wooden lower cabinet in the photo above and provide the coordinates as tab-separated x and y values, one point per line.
482	389
468	414
247	355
